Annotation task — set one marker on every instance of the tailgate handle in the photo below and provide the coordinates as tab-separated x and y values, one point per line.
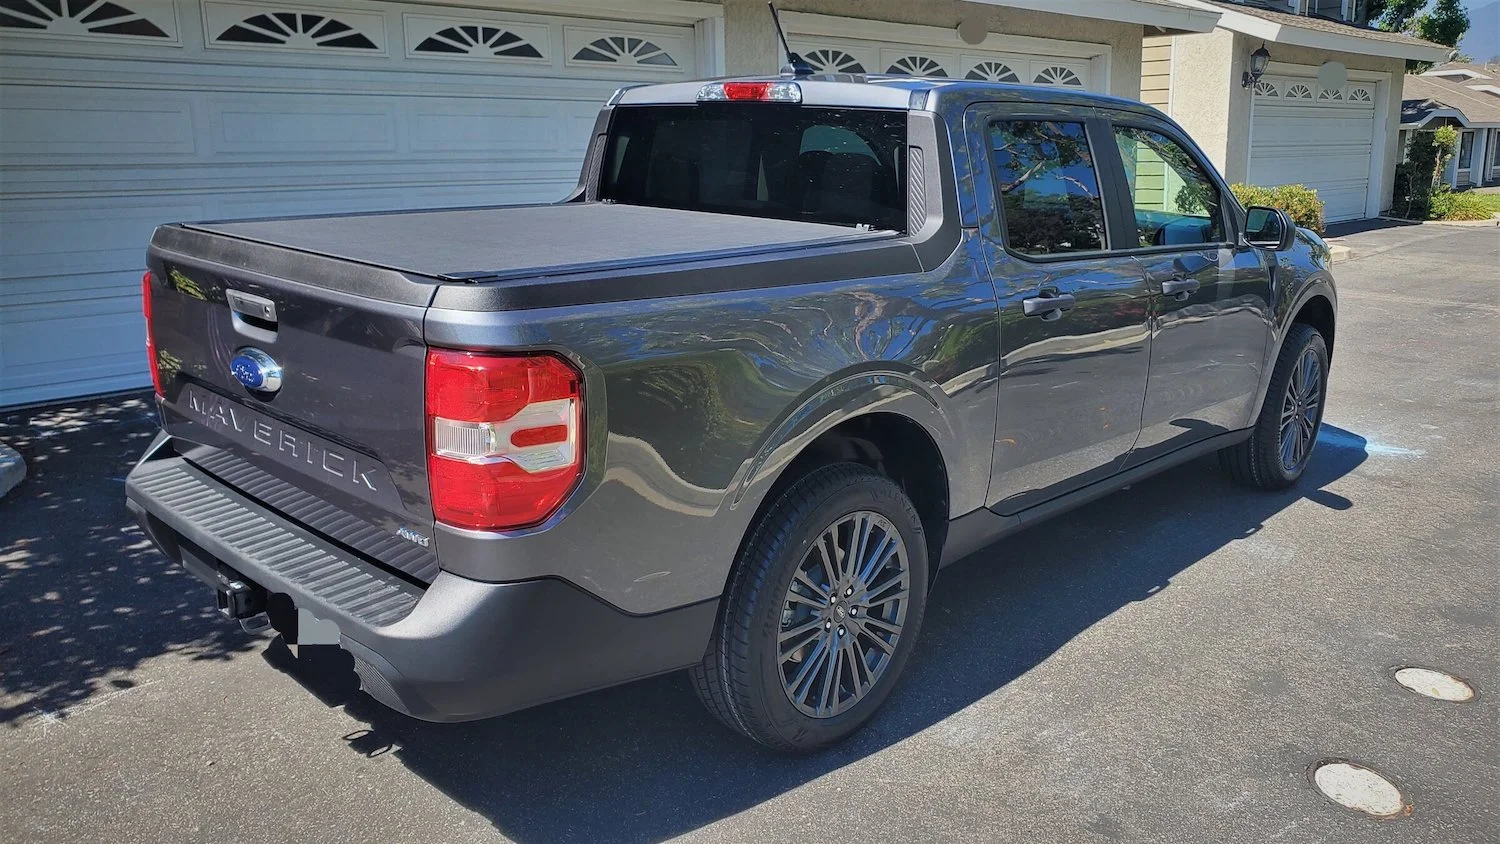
256	307
253	316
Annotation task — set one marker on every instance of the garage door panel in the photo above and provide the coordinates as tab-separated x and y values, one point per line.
101	142
46	124
52	350
1303	135
54	237
280	125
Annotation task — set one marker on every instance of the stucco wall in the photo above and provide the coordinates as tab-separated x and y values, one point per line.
750	39
1204	100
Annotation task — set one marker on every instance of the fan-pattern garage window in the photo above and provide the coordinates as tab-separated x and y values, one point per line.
916	66
76	17
297	30
1330	94
1266	89
1299	92
625	49
1058	75
1360	95
833	61
992	72
478	41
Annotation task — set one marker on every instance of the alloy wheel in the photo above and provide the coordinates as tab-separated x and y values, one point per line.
843	615
1301	409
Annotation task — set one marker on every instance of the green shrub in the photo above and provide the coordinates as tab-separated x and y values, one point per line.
1300	201
1419	177
1447	205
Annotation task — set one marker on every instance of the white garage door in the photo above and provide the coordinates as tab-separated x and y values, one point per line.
1303	134
117	115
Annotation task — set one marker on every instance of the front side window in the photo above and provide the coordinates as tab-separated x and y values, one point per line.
842	166
1048	187
1466	151
1176	203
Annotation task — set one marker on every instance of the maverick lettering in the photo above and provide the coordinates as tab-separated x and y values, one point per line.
290	445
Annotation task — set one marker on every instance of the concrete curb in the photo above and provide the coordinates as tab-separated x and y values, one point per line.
1338	252
1493	221
12	469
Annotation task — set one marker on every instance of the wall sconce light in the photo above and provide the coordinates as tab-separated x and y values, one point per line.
1258	62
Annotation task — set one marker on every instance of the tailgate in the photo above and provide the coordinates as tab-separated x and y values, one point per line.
340	446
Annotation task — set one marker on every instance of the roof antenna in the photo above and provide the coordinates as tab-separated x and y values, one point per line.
795	64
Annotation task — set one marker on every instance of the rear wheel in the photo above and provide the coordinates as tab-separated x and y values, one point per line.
1280	445
822	611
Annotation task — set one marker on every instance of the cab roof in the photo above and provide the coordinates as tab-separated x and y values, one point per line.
886	92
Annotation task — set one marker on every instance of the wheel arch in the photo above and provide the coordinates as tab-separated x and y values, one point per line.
894	422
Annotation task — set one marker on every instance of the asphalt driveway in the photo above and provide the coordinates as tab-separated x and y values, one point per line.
1164	665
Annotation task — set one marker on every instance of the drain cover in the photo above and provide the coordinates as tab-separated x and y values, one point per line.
1359	788
1435	684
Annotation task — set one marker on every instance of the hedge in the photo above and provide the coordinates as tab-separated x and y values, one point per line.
1300	201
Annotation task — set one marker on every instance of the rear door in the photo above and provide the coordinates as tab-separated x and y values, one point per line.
1074	343
1210	298
339	444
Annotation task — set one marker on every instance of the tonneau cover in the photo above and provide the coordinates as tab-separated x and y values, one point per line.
527	240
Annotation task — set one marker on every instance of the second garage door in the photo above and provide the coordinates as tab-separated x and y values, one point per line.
118	116
1323	138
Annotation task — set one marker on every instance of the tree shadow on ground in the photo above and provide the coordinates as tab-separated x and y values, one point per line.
84	597
645	762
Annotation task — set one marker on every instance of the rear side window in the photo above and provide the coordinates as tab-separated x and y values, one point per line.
1048	186
821	165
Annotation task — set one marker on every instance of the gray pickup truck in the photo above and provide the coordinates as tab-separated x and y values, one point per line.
792	345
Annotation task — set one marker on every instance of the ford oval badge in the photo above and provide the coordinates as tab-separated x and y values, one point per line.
256	370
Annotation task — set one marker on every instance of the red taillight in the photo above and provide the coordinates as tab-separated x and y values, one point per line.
765	92
150	333
747	90
505	437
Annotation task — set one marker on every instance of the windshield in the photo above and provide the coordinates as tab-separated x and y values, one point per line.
821	165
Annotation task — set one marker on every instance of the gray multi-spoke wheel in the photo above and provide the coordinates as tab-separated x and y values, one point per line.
1281	443
823	607
1301	409
844	613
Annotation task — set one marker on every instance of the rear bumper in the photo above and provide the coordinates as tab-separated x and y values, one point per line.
455	650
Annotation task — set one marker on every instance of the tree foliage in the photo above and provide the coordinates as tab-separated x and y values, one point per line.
1419	184
1439	21
1393	15
1445	23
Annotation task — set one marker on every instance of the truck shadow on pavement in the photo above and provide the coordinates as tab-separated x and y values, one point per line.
645	762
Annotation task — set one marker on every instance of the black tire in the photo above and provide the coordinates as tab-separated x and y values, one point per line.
1258	461
741	679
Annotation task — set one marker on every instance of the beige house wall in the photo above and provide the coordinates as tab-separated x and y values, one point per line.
750	39
1207	99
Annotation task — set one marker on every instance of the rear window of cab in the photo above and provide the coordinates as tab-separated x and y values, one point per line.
822	165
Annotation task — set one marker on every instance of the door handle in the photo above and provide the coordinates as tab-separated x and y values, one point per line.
1180	287
1048	307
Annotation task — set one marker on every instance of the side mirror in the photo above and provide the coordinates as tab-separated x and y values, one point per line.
1269	228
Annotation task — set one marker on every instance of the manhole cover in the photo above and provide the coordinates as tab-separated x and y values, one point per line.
1435	684
1359	788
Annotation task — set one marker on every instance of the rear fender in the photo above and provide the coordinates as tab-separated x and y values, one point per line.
909	394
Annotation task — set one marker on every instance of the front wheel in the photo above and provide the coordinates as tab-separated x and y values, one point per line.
822	611
1281	444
